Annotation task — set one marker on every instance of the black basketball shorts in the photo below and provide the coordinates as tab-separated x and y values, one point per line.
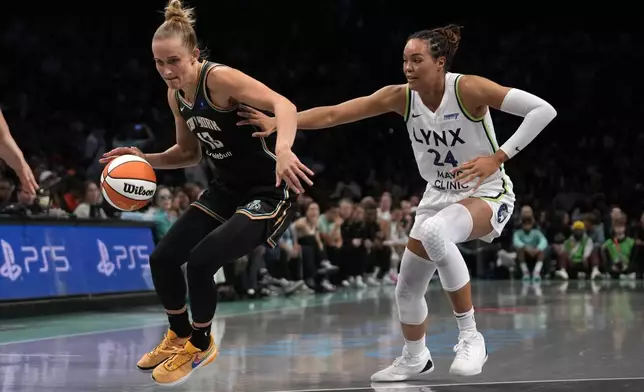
274	207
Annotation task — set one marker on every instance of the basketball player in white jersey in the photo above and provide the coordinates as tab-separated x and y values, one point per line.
10	153
468	194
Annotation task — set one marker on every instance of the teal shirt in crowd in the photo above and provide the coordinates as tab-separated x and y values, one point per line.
532	239
163	222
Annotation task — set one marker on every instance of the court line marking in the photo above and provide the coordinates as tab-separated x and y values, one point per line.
159	324
38	355
396	385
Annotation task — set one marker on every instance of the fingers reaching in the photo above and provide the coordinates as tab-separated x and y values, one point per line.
29	183
261	134
467	176
119	151
293	181
306	169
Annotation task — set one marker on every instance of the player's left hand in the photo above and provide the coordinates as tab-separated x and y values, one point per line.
256	118
480	167
291	170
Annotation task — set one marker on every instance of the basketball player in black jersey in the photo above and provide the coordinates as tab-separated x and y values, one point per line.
10	153
243	208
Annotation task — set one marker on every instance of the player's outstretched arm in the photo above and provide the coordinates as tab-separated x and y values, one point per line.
387	99
247	90
185	153
11	153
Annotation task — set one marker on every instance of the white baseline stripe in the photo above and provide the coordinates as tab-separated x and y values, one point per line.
374	386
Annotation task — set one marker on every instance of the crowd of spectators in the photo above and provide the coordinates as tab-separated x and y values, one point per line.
79	87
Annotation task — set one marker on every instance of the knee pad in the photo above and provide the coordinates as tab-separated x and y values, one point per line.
414	277
453	270
432	234
440	234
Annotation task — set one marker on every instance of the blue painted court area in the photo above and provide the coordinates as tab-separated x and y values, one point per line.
559	337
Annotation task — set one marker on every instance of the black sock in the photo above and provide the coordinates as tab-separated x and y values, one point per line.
180	324
201	337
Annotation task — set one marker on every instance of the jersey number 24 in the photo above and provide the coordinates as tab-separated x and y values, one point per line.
449	158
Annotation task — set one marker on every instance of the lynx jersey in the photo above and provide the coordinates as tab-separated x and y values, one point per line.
240	160
449	137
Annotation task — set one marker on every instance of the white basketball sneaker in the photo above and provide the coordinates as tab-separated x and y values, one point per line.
406	367
471	354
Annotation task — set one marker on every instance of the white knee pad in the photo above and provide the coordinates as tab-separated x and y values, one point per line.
414	277
440	234
453	270
452	224
433	237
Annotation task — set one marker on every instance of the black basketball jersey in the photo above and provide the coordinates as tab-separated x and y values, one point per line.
240	160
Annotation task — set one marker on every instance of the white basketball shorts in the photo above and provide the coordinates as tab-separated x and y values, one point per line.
497	193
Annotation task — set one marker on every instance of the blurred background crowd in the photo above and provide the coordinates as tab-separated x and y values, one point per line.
75	90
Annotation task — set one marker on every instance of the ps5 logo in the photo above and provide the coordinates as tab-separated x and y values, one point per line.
9	268
125	257
44	257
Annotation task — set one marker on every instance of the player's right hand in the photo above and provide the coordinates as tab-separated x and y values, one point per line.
117	152
27	179
258	119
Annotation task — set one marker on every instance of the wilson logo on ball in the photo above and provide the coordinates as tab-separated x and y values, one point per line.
128	183
137	190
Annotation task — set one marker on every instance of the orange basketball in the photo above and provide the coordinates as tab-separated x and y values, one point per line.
128	182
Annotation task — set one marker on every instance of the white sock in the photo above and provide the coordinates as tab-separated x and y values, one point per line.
466	321
524	269
537	268
415	348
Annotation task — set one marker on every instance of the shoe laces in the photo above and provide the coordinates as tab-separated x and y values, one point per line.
463	348
402	360
180	356
165	345
399	361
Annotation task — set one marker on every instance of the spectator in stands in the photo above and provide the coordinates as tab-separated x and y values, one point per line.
29	202
162	213
595	227
303	201
638	251
329	226
397	238
577	256
284	262
414	200
345	209
530	245
313	251
616	214
384	209
354	236
90	206
6	191
378	255
617	253
193	191
407	215
180	202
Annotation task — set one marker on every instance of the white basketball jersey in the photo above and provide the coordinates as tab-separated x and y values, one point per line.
447	138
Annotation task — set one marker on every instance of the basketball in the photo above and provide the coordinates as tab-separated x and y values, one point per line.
128	182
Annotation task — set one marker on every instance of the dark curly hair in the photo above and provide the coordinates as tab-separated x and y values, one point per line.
441	42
